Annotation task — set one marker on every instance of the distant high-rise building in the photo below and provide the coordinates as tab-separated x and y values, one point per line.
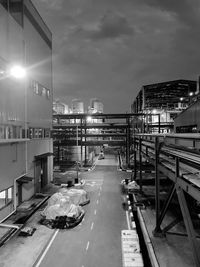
77	106
96	106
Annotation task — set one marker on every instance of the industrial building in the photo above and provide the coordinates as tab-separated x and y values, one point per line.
188	120
60	108
25	104
162	102
96	106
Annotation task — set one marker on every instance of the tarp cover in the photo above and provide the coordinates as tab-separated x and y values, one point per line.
63	207
77	196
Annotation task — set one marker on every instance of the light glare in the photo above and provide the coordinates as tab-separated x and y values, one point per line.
18	72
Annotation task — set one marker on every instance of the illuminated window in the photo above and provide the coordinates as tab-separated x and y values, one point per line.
43	91
6	197
35	87
48	93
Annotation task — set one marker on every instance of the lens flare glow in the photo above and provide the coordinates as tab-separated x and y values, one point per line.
18	72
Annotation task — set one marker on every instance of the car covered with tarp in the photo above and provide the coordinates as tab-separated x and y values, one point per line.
64	209
77	196
130	186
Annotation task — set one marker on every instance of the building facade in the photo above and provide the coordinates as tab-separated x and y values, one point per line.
96	106
77	106
26	146
60	108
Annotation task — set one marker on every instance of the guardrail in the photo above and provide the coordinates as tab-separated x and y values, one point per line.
178	158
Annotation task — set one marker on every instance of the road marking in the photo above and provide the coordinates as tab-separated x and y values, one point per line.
95	212
88	243
92	225
97	201
47	248
128	221
99	193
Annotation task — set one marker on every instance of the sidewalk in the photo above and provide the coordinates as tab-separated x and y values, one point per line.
22	251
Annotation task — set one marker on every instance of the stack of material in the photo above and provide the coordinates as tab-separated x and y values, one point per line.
130	186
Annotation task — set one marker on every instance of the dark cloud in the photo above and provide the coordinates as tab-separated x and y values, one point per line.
110	48
112	25
187	11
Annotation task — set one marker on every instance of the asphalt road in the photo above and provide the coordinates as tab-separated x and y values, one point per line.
96	242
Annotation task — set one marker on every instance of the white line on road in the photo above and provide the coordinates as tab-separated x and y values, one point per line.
128	221
99	193
97	201
47	248
88	243
92	225
95	212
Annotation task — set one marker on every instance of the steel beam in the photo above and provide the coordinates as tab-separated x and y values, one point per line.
140	164
164	210
189	226
157	183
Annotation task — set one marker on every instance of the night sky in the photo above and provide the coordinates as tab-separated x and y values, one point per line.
108	49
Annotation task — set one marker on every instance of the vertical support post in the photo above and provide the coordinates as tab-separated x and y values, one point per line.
158	123
81	142
140	163
135	159
58	154
128	143
85	142
143	119
177	168
188	225
157	182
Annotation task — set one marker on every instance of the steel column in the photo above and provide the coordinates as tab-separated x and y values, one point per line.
189	226
85	142
157	182
140	163
164	210
81	142
128	143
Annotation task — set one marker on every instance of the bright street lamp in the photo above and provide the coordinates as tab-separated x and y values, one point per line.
18	72
89	119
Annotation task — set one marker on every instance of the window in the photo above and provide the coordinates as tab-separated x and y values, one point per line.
40	133
43	91
35	87
48	93
47	133
4	3
6	197
38	89
16	10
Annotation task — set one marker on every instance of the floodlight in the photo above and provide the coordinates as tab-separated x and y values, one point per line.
18	72
89	119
